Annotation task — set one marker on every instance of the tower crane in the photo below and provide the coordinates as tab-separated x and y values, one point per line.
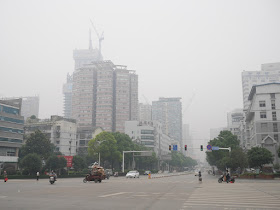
100	38
189	103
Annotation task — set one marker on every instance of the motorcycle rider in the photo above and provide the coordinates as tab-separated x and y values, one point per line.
227	176
52	173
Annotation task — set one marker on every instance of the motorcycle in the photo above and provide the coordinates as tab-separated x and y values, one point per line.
52	179
230	179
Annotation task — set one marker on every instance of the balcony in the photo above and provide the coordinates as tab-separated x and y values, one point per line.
8	159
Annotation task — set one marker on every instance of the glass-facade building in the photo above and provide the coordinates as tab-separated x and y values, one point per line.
11	131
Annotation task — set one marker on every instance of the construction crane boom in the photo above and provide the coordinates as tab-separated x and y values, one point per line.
100	38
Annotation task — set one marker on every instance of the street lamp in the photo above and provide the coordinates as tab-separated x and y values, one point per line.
99	142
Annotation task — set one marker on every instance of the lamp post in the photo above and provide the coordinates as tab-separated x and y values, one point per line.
99	142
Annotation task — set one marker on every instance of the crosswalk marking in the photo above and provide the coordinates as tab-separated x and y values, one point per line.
236	195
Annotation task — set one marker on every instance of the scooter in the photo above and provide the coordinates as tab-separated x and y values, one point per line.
221	179
52	179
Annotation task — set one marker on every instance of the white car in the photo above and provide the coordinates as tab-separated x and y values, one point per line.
132	174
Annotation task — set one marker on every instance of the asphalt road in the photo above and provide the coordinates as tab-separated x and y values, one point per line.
174	192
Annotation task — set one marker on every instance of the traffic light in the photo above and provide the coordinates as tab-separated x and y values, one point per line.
186	147
169	147
201	147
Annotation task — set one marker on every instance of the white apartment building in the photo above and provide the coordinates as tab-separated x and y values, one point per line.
149	134
269	73
263	118
62	133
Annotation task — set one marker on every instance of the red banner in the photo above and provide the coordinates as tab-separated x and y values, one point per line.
69	160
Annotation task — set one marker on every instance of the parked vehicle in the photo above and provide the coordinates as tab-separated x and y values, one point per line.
132	174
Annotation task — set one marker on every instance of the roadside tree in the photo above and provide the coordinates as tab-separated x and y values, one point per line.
221	158
79	163
105	144
31	162
38	143
56	163
259	156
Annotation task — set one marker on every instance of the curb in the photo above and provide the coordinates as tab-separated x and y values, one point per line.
167	176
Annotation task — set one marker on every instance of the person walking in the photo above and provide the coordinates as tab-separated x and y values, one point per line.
37	174
5	176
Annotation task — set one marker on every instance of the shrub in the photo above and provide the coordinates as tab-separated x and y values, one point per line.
11	171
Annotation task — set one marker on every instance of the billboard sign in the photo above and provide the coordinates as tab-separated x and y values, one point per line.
69	160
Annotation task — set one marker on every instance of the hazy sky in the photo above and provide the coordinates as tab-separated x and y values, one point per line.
178	48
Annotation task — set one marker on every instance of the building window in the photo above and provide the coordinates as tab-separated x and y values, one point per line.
262	103
275	127
272	95
263	114
147	132
11	153
273	104
276	137
82	142
274	118
263	127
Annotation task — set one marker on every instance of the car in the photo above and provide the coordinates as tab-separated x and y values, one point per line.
147	172
132	174
109	171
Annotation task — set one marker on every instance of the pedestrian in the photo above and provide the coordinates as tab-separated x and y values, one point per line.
5	176
38	174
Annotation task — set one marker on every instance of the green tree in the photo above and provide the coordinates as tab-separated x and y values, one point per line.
32	163
238	158
79	163
38	143
258	156
221	158
105	144
179	160
56	163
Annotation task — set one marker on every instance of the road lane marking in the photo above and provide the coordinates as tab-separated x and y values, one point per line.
234	206
233	203
3	196
141	195
104	196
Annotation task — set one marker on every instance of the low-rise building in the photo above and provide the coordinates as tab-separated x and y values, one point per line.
11	131
149	134
61	131
263	118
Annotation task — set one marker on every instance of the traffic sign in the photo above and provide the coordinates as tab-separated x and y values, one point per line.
175	147
215	148
209	147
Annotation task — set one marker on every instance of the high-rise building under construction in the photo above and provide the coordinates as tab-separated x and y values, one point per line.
104	95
